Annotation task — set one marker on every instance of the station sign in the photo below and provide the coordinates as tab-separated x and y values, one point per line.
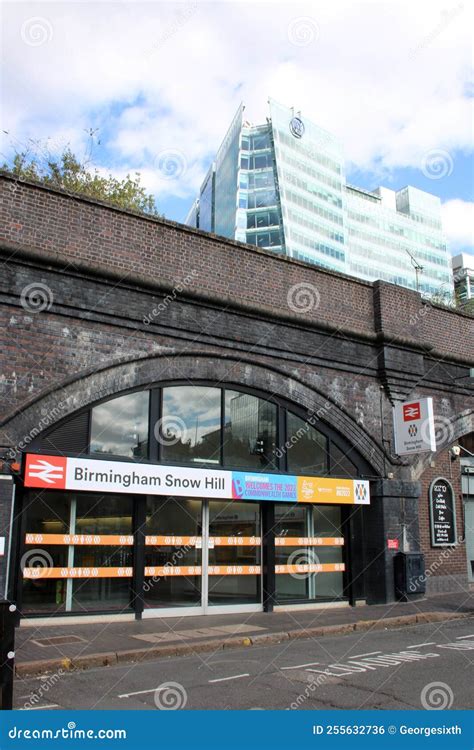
414	427
96	475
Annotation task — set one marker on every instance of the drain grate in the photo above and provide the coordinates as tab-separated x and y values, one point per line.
58	640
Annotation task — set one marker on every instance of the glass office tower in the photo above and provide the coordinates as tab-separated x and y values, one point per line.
281	186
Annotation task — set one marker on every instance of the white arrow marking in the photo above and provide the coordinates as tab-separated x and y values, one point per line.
45	471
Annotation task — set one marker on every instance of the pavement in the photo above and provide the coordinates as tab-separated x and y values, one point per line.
47	648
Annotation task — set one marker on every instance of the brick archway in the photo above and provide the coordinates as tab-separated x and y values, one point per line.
58	404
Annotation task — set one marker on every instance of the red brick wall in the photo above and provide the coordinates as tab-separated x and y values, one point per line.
89	235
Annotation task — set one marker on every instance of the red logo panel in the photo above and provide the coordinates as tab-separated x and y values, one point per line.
46	471
411	411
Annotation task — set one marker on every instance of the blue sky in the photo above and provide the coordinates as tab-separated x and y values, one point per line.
159	82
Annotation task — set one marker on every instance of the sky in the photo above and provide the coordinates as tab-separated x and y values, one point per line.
157	84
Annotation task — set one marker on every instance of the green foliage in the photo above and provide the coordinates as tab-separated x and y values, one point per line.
68	173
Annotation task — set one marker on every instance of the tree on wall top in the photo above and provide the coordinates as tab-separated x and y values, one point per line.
68	172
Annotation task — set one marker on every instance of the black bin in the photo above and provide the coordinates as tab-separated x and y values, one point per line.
7	653
410	577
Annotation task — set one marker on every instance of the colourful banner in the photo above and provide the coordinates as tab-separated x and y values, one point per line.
96	475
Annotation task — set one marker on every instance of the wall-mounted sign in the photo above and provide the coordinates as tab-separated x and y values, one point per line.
442	513
89	474
414	427
392	544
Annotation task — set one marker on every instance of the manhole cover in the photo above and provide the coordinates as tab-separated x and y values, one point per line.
58	640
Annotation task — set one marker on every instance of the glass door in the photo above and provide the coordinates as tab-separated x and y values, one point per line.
201	556
233	551
173	556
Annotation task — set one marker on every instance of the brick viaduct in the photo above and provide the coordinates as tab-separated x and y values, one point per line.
125	300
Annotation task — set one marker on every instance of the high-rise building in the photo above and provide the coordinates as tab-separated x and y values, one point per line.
463	272
282	186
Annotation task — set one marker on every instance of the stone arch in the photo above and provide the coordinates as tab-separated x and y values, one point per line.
56	405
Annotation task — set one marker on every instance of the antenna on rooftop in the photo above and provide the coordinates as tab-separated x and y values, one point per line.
417	267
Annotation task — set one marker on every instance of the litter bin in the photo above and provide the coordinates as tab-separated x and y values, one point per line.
7	653
410	578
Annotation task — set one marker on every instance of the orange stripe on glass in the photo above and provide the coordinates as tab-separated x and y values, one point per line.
235	541
89	572
80	539
310	568
172	541
233	570
162	571
308	541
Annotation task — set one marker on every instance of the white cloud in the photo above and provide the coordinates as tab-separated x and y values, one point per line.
458	223
387	78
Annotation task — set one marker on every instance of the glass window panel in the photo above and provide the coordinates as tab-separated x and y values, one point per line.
102	514
260	161
234	519
290	521
249	432
327	523
120	426
274	217
46	513
341	465
251	220
307	447
260	141
177	517
275	238
244	162
191	424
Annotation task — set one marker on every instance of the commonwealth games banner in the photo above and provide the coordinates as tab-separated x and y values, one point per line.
95	475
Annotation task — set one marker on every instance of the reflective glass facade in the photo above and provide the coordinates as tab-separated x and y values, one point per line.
281	186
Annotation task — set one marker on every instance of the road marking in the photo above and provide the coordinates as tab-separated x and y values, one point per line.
370	653
141	692
460	637
233	677
40	708
298	666
417	645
